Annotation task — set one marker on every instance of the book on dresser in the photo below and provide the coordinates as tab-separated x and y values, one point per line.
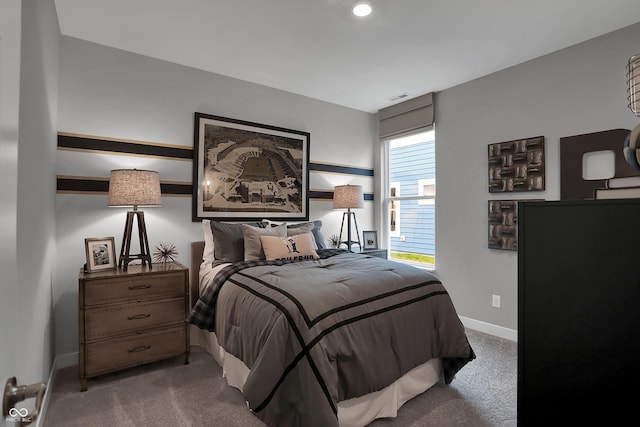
130	318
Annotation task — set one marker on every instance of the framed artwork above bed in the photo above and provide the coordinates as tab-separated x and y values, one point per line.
248	171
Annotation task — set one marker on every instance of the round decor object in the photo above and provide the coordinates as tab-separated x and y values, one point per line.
631	148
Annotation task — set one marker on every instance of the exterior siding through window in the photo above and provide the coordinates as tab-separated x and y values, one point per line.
408	165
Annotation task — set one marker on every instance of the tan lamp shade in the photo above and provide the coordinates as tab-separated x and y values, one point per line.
134	187
348	197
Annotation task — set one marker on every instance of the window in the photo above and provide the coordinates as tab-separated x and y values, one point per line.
411	195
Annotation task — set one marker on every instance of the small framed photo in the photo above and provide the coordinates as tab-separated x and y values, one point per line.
370	239
101	254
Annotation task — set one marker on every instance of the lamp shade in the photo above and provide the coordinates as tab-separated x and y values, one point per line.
348	197
134	187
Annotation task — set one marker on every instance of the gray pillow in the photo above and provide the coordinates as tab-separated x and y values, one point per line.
252	244
314	227
228	240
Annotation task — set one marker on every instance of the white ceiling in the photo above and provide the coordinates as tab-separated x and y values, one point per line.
317	48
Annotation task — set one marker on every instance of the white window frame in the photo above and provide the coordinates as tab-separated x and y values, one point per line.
394	200
430	198
422	199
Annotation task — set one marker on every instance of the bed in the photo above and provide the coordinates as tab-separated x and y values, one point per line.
324	338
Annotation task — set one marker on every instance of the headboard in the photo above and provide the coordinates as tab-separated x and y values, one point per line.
197	249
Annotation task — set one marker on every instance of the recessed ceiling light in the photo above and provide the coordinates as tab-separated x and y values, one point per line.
362	8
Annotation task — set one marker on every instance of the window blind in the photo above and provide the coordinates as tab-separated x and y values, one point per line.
405	117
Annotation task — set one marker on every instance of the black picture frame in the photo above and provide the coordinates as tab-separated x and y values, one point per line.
245	171
100	254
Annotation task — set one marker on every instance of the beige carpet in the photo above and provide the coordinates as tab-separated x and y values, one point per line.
169	393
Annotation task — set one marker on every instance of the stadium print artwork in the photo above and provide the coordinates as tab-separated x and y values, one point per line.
247	171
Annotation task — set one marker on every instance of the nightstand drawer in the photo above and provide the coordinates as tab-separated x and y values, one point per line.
121	319
109	290
105	356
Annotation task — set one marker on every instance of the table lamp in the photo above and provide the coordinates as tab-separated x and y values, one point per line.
134	187
348	197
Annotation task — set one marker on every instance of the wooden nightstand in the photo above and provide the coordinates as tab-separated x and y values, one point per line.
130	318
380	253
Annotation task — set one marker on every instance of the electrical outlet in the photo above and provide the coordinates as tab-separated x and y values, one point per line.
403	238
495	301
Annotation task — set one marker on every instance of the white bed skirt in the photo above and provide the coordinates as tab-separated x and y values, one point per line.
356	412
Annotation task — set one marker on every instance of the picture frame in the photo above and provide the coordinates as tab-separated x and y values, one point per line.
245	171
100	253
369	240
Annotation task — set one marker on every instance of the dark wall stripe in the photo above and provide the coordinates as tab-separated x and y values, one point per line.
328	195
97	185
86	143
123	147
82	185
322	167
177	189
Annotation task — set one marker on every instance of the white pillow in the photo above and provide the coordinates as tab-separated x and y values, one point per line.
298	247
208	254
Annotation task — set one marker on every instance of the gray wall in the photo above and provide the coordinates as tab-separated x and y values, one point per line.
28	124
578	90
111	93
10	23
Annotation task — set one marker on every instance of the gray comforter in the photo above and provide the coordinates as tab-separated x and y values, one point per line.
315	333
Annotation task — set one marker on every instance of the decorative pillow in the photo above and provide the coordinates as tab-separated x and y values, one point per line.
315	231
317	234
295	229
315	226
228	240
253	245
298	247
207	255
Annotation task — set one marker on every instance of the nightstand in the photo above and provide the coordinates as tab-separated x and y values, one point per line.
380	253
130	318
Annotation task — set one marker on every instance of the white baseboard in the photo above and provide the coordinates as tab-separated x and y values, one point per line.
488	328
62	361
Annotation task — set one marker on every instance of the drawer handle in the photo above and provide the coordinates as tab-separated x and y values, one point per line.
139	316
138	287
138	349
